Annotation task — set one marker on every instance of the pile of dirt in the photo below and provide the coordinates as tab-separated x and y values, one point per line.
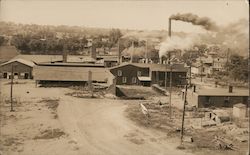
50	103
84	94
11	141
50	134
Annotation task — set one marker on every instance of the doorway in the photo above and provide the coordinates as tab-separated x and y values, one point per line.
26	75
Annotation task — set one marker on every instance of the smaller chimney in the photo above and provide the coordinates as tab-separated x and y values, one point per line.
161	60
194	88
65	55
230	89
93	51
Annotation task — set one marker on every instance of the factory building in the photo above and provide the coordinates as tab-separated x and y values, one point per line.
216	97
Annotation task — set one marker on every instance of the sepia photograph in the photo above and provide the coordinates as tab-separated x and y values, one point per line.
124	77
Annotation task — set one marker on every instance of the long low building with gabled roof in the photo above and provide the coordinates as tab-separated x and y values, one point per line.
72	74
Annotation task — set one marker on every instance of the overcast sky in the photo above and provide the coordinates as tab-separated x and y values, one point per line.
121	14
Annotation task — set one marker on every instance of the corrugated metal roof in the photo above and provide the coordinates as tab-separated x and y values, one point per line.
69	73
222	92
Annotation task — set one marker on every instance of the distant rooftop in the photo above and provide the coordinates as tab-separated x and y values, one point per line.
70	64
55	58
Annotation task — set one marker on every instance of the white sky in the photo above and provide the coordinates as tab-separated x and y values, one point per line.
121	14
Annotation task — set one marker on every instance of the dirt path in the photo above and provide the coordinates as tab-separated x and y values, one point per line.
98	126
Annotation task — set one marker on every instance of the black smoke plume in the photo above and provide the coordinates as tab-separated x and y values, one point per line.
205	22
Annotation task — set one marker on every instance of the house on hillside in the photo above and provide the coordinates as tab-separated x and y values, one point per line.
7	53
219	64
216	97
22	69
208	65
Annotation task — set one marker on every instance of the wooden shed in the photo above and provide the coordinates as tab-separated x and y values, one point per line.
22	69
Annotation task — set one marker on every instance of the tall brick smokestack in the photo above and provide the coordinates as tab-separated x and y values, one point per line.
169	27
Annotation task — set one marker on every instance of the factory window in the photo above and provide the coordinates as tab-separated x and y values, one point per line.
119	73
134	80
124	79
139	73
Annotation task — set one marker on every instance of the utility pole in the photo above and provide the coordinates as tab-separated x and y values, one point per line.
119	53
90	83
146	54
170	92
201	70
165	80
11	89
190	74
183	114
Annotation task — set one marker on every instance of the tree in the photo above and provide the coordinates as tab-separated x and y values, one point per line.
114	35
238	67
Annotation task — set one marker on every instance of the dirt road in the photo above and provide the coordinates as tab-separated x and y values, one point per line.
91	126
99	126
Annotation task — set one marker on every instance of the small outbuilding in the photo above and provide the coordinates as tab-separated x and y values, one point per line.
22	69
239	110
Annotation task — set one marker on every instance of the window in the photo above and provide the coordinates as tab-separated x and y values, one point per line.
15	74
139	73
119	73
124	79
5	75
134	80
